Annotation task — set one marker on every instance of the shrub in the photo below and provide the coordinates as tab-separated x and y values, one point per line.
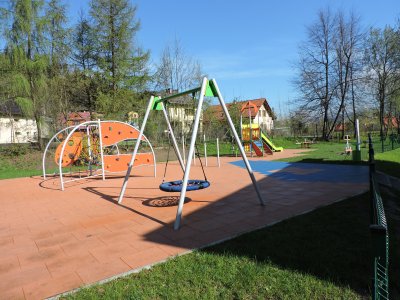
14	150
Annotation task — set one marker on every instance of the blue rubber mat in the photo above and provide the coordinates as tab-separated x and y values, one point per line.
309	171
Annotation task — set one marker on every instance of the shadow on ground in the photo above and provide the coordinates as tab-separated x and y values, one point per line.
347	160
388	167
331	243
391	201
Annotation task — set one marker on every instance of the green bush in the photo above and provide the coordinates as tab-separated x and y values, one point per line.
14	150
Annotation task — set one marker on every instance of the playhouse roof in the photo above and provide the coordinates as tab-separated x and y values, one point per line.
10	107
75	117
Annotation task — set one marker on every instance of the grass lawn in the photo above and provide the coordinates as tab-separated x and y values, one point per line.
23	165
389	162
327	152
324	254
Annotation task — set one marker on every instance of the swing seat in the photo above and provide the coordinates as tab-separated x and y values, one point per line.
176	186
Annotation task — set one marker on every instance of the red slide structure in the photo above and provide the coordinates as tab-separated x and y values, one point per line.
256	149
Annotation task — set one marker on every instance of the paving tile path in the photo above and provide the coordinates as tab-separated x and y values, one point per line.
52	241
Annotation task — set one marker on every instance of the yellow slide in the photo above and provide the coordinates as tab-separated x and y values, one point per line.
270	144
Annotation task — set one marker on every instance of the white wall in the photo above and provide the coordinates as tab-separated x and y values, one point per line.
184	117
264	120
17	130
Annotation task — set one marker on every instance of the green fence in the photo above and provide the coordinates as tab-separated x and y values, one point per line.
379	234
386	143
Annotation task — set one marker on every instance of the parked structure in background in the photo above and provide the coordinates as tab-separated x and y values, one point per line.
75	118
260	113
392	124
133	118
258	109
181	112
14	127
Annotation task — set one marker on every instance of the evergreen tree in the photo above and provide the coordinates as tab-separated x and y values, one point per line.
57	36
84	61
23	31
122	64
57	48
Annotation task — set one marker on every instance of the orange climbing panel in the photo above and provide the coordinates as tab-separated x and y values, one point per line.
72	150
113	133
120	162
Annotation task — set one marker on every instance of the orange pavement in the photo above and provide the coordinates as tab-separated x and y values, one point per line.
53	241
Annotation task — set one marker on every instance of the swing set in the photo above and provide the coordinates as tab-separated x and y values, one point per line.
208	88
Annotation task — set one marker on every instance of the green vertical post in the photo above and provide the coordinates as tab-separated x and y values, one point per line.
392	138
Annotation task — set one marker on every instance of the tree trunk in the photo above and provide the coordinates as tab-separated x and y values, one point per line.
341	109
39	132
325	125
382	97
381	118
353	100
112	43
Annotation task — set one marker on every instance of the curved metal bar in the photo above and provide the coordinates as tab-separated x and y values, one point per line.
74	129
47	147
101	150
65	143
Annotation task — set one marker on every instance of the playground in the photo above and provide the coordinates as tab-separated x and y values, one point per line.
54	241
84	223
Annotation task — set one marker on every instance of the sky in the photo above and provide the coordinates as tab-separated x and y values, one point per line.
250	46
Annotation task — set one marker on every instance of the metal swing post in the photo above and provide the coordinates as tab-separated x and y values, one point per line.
190	154
246	161
128	172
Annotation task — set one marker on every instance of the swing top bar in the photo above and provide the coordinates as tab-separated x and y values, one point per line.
210	92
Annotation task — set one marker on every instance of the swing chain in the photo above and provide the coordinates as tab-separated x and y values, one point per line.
197	152
166	164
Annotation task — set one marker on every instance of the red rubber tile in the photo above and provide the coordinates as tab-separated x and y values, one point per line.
13	294
40	289
53	241
9	264
105	252
100	271
145	257
70	264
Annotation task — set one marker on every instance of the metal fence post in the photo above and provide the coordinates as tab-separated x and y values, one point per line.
371	164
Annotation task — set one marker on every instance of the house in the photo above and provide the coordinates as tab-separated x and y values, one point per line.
257	109
181	112
14	127
391	122
340	127
75	118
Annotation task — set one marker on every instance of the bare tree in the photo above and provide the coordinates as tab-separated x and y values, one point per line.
382	66
316	69
328	70
176	70
347	38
